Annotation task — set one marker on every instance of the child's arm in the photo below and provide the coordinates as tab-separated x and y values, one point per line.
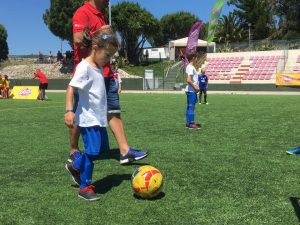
69	116
190	82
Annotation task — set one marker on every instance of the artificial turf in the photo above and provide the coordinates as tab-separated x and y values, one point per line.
232	171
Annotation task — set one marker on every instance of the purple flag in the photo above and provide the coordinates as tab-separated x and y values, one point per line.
192	41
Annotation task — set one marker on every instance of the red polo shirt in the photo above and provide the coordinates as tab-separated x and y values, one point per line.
42	77
88	16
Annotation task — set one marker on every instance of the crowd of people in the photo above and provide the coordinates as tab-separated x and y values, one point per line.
61	58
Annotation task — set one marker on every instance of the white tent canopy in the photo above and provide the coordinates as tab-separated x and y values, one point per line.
180	43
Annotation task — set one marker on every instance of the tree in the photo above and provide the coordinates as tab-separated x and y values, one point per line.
229	29
204	31
59	18
288	15
3	43
257	14
177	25
135	25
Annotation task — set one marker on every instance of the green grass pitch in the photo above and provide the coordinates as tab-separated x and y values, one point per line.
232	171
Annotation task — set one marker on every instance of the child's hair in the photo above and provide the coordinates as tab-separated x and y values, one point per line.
192	55
104	37
5	77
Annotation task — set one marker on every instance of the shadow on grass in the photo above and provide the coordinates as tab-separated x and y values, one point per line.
158	197
115	154
295	204
107	183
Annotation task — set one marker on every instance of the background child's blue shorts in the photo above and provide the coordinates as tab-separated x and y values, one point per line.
113	105
95	140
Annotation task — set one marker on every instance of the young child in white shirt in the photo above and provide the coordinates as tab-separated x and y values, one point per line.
91	112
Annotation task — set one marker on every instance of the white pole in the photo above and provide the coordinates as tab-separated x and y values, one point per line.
109	12
249	25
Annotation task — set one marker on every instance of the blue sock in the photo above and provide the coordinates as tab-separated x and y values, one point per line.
77	154
190	116
86	170
77	163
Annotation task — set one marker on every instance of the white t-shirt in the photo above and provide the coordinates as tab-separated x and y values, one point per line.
92	105
191	71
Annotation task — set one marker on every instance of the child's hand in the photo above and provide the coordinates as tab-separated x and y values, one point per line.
70	119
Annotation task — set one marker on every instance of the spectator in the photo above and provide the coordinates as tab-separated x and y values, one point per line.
1	86
50	59
6	87
117	78
59	57
68	57
43	83
147	55
41	57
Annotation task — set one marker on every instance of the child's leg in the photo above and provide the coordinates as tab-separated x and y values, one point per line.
191	101
43	93
200	95
4	93
86	169
205	95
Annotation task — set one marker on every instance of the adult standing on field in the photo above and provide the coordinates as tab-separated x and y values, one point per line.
91	15
43	83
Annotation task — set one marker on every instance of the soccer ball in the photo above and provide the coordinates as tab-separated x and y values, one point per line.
147	182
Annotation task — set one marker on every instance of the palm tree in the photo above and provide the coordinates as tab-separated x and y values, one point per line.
229	29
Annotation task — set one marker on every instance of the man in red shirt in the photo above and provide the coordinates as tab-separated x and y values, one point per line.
43	83
92	15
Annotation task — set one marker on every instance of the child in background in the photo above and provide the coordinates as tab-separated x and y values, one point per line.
1	86
117	78
203	83
191	91
6	87
91	112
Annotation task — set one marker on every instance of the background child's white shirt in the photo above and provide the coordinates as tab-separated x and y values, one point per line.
92	105
191	71
119	79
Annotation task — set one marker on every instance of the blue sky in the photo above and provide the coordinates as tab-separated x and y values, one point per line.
27	33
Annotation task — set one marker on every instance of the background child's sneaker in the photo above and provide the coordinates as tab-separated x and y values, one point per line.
132	155
195	126
294	151
88	193
74	173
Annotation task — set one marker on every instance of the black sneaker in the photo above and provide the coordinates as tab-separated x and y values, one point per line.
132	155
74	173
88	193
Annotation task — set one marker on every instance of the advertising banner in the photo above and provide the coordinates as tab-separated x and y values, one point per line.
214	17
288	79
192	41
25	92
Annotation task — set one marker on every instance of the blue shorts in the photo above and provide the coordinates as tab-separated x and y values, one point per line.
191	98
113	105
95	140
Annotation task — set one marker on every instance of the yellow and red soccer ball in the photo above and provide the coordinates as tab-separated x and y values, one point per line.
147	182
